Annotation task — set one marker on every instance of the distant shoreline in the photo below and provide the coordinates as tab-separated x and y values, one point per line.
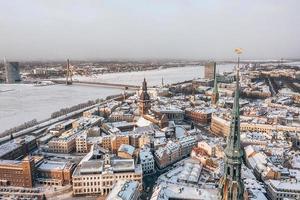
2	91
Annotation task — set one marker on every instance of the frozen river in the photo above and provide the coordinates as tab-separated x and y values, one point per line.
23	102
154	77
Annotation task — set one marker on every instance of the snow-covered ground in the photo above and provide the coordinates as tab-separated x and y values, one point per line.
154	77
22	102
293	63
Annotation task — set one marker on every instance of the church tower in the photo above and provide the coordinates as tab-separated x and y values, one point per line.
215	93
232	187
144	102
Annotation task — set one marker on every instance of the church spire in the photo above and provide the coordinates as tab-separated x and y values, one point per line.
236	105
234	136
144	102
144	86
232	187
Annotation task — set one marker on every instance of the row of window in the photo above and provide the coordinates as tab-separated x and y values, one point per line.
107	177
92	190
95	183
148	168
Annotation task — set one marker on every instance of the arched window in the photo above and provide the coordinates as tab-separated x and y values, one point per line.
234	173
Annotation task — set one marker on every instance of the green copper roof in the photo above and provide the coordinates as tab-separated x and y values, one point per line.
233	140
232	186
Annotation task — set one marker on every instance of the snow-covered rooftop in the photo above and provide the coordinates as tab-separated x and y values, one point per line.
123	190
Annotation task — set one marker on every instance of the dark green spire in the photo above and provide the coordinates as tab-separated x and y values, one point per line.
232	186
234	136
236	104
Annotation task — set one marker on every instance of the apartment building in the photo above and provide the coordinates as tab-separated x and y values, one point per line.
174	151
147	160
66	143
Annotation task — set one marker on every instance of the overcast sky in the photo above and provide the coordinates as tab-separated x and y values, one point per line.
105	29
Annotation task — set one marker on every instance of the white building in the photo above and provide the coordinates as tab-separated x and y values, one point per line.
295	162
283	189
125	190
182	182
171	191
99	177
147	160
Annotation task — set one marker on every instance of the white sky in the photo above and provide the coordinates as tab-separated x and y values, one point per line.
105	29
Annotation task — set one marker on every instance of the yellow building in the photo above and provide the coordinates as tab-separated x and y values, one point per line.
221	127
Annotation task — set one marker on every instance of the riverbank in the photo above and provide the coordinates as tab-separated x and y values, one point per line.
25	102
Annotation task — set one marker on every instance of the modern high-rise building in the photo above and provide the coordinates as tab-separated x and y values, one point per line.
232	186
12	72
209	70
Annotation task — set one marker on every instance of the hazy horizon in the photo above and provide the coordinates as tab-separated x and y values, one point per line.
148	29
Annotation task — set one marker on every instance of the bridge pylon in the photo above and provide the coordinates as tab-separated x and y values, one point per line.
69	74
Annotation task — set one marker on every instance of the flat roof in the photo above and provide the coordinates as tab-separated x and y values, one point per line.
146	154
123	190
52	165
286	185
8	147
119	165
14	144
166	191
10	162
91	166
127	148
